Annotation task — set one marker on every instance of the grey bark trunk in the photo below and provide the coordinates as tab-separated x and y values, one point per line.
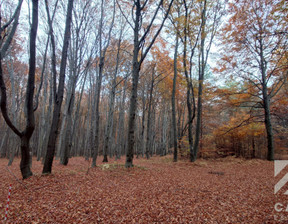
174	125
99	80
59	98
266	105
148	129
202	66
121	120
107	142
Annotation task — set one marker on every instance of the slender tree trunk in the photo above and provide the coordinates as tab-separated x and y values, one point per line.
13	111
107	142
3	150
188	93
132	115
121	120
148	130
67	139
97	116
42	131
142	142
59	98
174	125
77	120
202	65
99	80
266	102
133	98
137	43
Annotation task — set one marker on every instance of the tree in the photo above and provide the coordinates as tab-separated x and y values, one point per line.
256	37
140	52
25	135
112	95
78	47
47	168
102	49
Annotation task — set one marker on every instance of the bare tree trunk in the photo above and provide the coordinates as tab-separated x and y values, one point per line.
59	98
29	107
67	139
77	114
148	134
121	120
202	66
30	119
13	110
142	142
174	125
3	150
189	93
42	121
266	105
107	141
138	43
133	103
99	78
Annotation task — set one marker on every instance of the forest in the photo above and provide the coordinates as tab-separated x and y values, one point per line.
139	82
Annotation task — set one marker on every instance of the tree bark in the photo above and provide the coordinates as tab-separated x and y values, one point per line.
107	142
202	66
99	80
266	104
148	130
174	125
59	98
29	107
121	143
138	43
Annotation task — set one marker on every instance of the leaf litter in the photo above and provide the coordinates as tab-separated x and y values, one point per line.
153	191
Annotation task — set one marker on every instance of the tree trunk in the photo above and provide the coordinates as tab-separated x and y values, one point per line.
30	119
133	98
202	65
59	98
67	139
138	43
148	130
99	81
132	111
121	120
142	142
13	111
266	103
189	95
25	157
174	125
268	124
97	116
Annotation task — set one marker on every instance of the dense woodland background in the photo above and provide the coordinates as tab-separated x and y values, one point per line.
194	78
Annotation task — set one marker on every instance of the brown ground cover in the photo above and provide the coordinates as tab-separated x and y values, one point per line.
226	190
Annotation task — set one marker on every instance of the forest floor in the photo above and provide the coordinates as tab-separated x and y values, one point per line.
158	190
